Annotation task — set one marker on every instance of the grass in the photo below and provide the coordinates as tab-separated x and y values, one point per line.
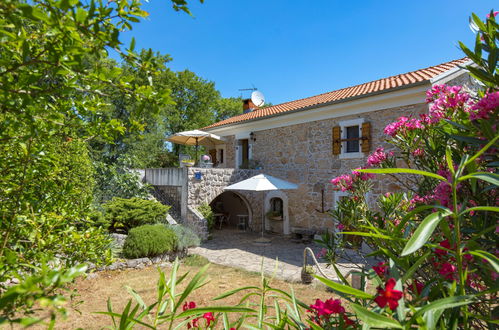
93	293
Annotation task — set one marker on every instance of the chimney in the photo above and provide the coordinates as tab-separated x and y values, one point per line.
248	106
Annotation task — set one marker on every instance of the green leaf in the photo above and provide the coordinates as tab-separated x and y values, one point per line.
448	158
375	320
414	267
481	208
444	303
230	293
402	170
214	309
492	259
487	146
485	176
424	231
343	288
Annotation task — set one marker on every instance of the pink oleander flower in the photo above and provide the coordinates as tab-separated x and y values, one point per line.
381	269
416	287
402	125
209	318
362	176
445	244
340	227
377	157
344	182
321	253
495	14
447	270
445	101
485	107
418	152
188	305
388	295
328	307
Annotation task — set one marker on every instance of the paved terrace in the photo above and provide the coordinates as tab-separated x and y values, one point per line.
237	249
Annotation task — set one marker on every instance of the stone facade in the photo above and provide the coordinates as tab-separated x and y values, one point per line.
302	154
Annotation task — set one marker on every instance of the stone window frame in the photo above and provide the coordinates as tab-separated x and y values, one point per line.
343	125
337	194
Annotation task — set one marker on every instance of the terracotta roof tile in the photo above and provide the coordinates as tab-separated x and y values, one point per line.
379	85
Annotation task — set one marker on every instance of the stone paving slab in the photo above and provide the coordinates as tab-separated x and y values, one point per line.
237	249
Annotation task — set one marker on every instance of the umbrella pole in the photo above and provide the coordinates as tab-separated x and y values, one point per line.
197	146
263	213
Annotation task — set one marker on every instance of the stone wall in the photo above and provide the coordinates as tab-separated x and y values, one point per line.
302	154
212	183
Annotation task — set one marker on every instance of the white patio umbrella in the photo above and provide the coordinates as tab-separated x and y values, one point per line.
196	138
262	182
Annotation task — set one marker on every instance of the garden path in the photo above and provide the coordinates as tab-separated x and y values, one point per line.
237	249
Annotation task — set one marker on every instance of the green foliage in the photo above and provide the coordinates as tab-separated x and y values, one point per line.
195	260
127	213
117	180
207	213
55	81
186	237
42	289
149	241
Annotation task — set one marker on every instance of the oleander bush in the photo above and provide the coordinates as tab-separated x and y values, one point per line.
149	241
128	213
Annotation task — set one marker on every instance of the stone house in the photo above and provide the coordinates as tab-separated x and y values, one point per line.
307	142
312	140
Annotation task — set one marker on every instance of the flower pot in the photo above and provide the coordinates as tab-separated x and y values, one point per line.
306	277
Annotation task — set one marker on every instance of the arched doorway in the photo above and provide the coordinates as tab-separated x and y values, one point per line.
276	203
232	204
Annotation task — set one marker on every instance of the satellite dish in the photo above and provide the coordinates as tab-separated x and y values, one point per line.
257	98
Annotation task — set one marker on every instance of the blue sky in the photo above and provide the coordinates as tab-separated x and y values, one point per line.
291	49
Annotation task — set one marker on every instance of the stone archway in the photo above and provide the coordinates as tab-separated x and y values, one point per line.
285	227
233	203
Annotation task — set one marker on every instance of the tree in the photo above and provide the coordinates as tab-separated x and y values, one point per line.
51	101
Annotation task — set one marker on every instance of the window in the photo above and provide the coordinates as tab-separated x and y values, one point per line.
339	195
352	143
276	206
351	137
221	156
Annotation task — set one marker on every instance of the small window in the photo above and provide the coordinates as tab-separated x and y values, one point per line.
350	133
353	140
221	156
276	205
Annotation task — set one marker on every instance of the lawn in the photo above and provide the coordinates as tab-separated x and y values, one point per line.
94	292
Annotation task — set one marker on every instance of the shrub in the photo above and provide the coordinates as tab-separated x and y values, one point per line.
133	212
186	237
195	260
207	213
149	241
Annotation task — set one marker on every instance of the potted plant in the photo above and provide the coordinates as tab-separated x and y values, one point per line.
306	274
274	215
188	162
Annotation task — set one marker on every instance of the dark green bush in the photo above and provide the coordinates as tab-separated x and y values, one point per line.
149	241
127	213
